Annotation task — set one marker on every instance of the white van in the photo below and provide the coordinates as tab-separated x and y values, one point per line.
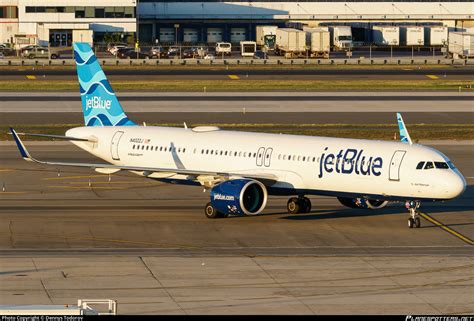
223	48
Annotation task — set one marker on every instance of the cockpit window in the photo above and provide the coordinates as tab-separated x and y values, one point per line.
441	165
420	165
429	165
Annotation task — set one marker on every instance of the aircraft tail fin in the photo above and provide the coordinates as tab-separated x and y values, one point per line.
99	103
404	136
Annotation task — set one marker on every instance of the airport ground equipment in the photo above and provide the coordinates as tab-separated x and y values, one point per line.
266	36
83	307
248	48
290	42
436	36
412	36
461	45
318	42
386	35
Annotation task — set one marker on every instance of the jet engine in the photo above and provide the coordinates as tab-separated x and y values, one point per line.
239	197
362	203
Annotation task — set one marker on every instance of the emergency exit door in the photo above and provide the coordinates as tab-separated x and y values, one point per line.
115	144
395	164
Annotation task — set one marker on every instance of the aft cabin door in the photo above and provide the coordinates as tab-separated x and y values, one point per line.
114	145
395	163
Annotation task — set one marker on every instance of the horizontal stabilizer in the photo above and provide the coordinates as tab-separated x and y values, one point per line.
70	138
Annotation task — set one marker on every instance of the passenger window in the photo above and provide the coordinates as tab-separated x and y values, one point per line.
429	165
304	158
441	165
314	159
420	165
143	147
133	147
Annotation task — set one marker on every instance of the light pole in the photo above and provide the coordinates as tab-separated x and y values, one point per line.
137	18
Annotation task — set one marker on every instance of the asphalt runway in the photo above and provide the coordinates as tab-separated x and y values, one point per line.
210	73
276	108
149	246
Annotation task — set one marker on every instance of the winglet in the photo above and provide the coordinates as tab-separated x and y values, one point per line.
24	153
404	136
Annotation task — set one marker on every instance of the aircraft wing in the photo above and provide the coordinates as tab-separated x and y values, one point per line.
110	168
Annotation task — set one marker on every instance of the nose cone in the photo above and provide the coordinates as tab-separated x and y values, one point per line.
456	185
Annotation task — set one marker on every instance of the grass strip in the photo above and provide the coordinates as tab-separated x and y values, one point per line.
245	85
376	131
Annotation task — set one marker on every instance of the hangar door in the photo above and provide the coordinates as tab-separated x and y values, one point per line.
395	163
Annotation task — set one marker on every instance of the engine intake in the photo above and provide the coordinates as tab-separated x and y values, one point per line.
239	196
362	203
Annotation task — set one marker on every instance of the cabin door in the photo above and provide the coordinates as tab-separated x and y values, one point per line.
395	164
114	145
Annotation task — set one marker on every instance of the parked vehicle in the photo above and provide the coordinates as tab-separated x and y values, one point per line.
112	46
115	49
173	52
461	44
412	36
290	42
25	50
157	52
266	36
2	56
319	42
120	51
386	35
341	37
190	53
260	55
40	52
248	48
436	35
6	51
132	54
223	48
209	56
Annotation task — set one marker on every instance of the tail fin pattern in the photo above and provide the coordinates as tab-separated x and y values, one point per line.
99	103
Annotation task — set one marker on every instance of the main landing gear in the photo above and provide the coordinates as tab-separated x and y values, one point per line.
297	205
414	219
211	212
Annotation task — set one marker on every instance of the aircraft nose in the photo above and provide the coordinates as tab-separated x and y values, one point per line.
457	185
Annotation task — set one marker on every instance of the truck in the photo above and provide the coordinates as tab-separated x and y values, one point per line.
341	37
386	35
461	44
412	36
290	42
318	42
266	36
248	48
223	49
436	36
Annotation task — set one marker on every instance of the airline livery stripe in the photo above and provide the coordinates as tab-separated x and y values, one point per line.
447	229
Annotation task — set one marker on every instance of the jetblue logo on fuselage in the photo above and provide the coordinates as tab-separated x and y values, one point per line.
349	161
221	197
97	103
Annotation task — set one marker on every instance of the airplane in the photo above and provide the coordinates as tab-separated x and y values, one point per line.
241	169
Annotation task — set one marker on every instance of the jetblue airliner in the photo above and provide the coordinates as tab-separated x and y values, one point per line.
240	169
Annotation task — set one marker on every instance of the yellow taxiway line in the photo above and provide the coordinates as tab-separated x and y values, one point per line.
234	77
432	77
447	229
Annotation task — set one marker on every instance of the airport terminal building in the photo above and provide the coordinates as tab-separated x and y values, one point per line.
59	22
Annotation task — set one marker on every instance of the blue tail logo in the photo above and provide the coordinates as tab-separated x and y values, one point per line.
99	103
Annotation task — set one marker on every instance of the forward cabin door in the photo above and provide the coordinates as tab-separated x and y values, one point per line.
395	164
114	145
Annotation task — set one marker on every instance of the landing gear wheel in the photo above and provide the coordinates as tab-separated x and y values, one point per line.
414	220
417	222
211	211
293	206
307	205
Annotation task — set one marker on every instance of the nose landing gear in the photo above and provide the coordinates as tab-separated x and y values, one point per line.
297	205
414	219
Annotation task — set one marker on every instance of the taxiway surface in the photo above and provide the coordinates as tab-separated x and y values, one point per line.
149	246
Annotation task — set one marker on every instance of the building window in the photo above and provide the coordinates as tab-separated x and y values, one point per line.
99	13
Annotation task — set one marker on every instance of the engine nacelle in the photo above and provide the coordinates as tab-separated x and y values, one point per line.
239	196
362	203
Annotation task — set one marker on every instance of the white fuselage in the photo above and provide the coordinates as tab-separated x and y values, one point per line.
302	164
